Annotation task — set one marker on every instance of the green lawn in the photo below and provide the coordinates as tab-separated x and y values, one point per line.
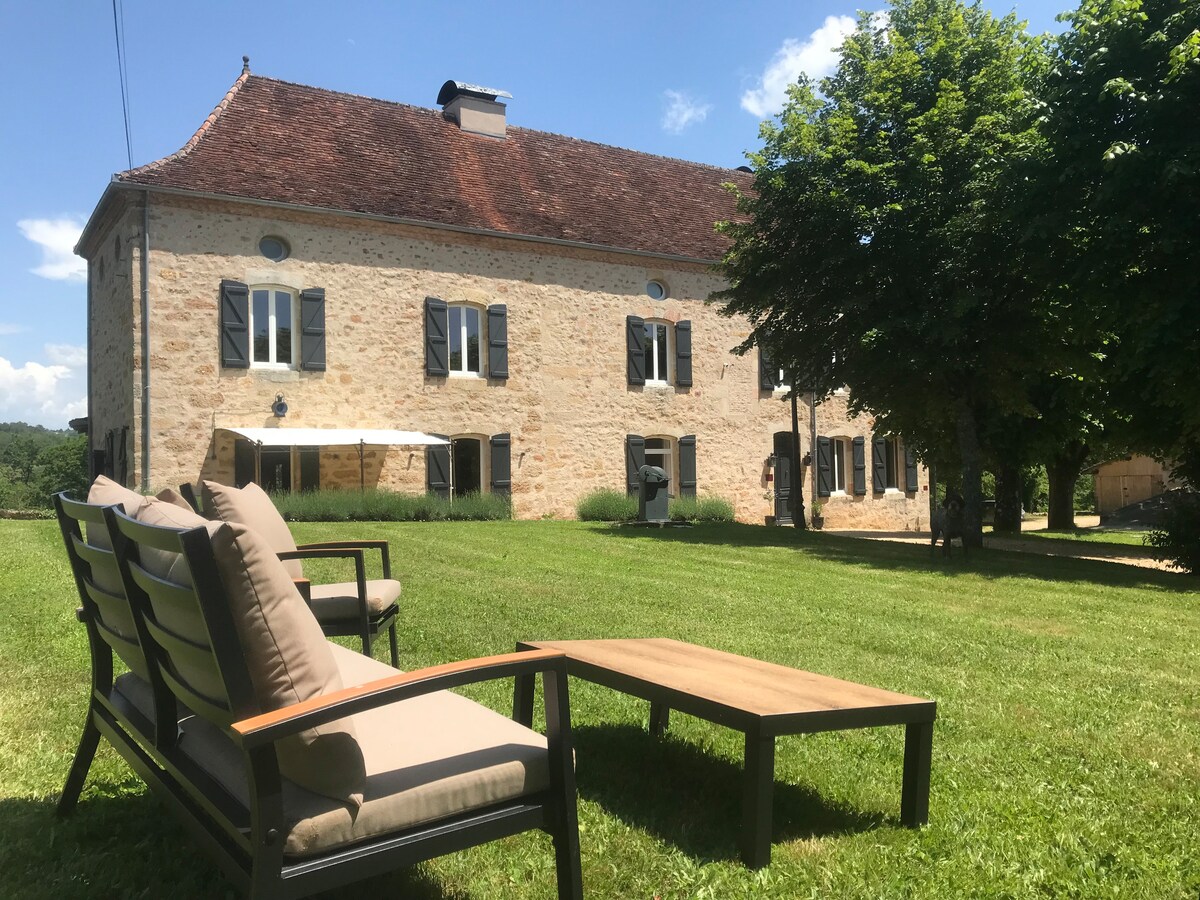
1093	535
1066	759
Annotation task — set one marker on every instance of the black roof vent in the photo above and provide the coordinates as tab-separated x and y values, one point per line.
452	89
745	169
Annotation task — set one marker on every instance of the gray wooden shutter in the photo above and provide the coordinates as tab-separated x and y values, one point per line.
683	354
635	350
312	329
635	458
860	465
235	325
910	471
501	463
824	473
497	330
687	466
437	468
767	370
879	464
436	358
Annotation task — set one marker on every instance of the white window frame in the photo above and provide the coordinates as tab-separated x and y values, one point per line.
465	372
273	290
782	384
892	445
654	377
664	458
485	470
837	452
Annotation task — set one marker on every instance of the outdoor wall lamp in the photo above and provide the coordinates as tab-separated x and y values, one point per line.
279	407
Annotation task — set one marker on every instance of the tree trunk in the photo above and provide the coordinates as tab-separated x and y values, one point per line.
1008	500
1062	471
972	470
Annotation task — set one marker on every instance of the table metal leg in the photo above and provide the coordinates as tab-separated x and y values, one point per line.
757	790
918	758
660	716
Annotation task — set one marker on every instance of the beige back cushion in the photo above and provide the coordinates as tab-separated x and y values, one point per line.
251	506
286	654
170	495
106	492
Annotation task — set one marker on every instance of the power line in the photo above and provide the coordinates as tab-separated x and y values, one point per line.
122	72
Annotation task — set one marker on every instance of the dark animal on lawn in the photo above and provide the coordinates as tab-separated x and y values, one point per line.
947	524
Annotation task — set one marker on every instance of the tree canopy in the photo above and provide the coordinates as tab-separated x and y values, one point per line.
879	250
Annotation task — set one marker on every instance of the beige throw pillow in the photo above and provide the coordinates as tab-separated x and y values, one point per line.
286	654
251	506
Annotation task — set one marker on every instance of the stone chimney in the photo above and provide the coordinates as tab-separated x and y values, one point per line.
476	109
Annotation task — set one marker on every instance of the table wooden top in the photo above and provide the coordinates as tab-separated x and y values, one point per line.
738	684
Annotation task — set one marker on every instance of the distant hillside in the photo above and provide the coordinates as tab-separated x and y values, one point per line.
37	435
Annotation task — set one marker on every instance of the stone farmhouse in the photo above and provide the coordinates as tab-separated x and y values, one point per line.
365	265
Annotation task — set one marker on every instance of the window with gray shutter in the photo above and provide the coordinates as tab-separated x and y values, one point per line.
635	350
437	468
824	467
501	467
436	360
687	466
497	334
235	325
683	354
860	465
635	458
310	468
768	372
312	329
910	471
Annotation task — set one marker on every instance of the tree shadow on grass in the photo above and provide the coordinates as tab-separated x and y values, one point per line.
689	798
119	842
986	563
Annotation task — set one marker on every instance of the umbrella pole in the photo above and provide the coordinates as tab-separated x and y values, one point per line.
362	469
258	463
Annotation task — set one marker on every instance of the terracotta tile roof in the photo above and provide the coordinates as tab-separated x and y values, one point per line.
275	141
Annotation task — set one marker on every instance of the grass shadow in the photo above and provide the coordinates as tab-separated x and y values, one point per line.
986	563
691	799
119	842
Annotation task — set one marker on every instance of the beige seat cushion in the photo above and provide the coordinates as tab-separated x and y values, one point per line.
426	759
251	506
286	654
340	601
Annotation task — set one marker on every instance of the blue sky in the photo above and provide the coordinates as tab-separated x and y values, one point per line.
690	80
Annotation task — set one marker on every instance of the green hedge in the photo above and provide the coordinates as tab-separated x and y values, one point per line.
387	506
616	506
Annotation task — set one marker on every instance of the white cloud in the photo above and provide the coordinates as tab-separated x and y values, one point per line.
682	110
815	57
9	328
67	355
28	386
57	238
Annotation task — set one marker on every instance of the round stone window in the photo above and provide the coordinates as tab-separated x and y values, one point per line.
656	290
274	248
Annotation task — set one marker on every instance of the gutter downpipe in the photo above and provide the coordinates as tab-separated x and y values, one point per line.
145	341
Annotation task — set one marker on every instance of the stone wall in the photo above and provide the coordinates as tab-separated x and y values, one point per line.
566	403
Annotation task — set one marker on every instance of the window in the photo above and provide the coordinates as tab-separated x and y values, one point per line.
467	459
655	344
463	335
274	248
782	382
656	290
838	448
659	453
277	469
272	313
891	478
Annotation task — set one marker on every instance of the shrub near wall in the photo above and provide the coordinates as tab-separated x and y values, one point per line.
387	506
615	506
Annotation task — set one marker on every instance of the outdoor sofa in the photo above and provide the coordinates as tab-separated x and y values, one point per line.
297	765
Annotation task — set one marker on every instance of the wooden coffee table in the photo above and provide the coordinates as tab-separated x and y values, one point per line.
760	699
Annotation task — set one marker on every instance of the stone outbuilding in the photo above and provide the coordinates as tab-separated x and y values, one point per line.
319	260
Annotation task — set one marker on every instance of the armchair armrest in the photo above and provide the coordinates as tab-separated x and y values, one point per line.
381	546
270	727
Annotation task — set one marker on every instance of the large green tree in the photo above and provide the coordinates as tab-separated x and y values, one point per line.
878	249
1118	208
